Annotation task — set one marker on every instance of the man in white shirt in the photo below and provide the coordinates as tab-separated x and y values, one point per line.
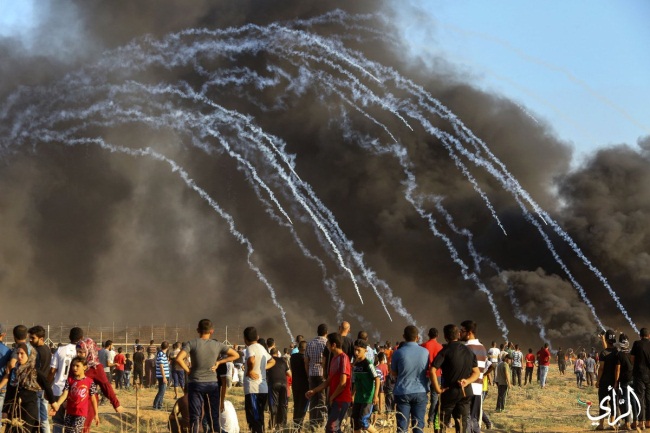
256	389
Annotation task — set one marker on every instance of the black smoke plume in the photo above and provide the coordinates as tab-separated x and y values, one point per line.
94	235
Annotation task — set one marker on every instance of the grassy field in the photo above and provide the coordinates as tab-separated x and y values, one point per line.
529	409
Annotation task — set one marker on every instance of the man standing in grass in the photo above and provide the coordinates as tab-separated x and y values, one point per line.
256	388
544	359
162	373
608	372
433	347
459	371
468	335
504	380
409	367
203	385
314	366
340	395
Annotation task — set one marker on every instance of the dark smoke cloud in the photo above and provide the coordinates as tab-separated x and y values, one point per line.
608	209
99	237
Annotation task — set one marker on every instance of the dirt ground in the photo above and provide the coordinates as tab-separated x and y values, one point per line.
560	407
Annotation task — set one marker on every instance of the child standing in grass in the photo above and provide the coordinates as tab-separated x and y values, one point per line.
128	366
365	389
79	391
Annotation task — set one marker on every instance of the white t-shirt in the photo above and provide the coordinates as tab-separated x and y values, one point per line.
61	361
262	357
493	354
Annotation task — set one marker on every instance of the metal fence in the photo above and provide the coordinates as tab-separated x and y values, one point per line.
126	335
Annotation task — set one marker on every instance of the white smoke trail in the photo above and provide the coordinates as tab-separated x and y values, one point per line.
291	45
56	137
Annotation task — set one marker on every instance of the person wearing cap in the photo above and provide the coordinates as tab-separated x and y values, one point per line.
504	379
5	356
608	373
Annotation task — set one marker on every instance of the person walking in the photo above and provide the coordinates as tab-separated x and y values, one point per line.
162	374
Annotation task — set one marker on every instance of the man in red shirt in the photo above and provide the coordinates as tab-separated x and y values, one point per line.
544	360
340	392
433	347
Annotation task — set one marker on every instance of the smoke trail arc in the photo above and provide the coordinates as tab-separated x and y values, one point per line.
221	91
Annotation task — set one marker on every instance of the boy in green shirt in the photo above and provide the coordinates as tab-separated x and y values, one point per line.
365	389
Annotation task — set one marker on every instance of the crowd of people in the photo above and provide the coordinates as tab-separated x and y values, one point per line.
329	378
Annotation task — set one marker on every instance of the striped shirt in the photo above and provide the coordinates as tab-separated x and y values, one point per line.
161	359
481	357
315	354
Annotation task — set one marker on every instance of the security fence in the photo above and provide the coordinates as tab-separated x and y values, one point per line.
126	335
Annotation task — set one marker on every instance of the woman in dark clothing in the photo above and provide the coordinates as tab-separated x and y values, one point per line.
23	408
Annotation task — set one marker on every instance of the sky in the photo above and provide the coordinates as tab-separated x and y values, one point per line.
580	66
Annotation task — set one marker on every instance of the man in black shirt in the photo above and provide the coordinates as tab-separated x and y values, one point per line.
138	366
43	358
608	371
459	371
640	355
299	384
276	378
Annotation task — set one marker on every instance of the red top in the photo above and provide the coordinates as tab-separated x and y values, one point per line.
544	356
433	347
340	365
79	392
389	354
530	360
384	370
119	361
